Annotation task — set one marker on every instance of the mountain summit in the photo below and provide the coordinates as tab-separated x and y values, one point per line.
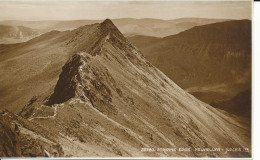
108	24
108	101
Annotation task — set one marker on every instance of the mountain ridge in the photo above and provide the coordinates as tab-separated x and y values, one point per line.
118	103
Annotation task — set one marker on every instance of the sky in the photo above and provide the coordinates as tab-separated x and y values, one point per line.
80	9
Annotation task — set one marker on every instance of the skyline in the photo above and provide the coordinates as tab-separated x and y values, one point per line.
81	10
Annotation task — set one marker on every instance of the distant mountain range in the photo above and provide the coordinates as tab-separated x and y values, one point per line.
212	62
16	34
90	92
128	26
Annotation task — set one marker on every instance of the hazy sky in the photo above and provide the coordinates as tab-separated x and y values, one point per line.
71	10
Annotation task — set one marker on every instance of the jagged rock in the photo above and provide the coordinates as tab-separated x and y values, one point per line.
18	140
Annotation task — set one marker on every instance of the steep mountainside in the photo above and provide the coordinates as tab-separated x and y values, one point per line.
16	34
108	101
213	62
128	26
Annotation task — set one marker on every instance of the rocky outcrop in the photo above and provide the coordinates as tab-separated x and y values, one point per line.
18	138
67	83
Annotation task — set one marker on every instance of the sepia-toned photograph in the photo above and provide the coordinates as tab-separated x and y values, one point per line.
132	79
